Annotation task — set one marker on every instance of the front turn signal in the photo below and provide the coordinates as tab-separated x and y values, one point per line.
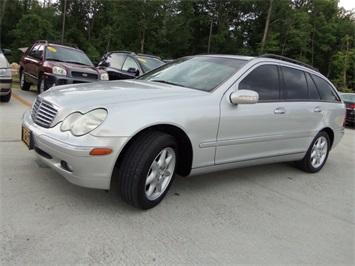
100	151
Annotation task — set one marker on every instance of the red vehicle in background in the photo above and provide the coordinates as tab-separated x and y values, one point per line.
46	64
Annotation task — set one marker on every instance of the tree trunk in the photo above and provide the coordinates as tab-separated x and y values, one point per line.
267	24
142	38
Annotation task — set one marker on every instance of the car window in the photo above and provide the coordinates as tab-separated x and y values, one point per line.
129	63
34	51
265	81
295	84
148	63
113	60
348	97
40	51
326	91
313	91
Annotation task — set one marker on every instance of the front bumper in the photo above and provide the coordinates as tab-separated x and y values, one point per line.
68	155
5	86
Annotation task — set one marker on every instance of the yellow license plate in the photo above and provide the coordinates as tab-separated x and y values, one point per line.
27	137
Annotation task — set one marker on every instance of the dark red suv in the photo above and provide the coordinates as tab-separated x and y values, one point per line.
48	64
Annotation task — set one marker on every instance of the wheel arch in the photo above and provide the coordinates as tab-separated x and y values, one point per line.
183	142
330	133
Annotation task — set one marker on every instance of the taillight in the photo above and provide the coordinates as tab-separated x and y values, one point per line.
352	106
344	122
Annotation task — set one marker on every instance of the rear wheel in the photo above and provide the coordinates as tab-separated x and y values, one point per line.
147	169
317	154
25	86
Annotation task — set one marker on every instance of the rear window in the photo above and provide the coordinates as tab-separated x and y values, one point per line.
326	91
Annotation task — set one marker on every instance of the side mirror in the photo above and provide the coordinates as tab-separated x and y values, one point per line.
244	97
7	52
132	70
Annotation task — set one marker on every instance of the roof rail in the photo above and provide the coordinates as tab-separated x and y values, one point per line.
149	55
59	43
124	52
287	59
41	41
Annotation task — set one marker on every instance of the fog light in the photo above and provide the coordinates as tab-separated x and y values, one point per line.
66	166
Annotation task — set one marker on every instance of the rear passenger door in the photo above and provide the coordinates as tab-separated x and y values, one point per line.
306	107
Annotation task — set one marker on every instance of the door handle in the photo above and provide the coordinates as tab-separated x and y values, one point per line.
318	109
280	111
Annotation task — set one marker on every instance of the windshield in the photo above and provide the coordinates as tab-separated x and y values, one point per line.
348	97
3	61
67	55
200	72
148	63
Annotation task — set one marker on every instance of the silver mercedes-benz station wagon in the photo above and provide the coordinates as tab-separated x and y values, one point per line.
194	115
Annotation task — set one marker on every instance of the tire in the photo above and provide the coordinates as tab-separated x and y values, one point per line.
147	169
41	86
5	98
317	154
25	86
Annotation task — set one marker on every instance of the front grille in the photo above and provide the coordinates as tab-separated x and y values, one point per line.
84	75
43	112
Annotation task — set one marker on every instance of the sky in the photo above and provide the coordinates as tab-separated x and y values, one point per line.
347	4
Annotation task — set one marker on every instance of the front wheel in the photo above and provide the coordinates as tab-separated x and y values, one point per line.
317	154
25	86
41	87
147	169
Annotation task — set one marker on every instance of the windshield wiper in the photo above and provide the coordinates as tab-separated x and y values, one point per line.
166	82
52	59
74	62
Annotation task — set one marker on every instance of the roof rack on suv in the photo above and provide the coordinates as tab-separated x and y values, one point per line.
139	54
124	52
290	60
59	43
149	55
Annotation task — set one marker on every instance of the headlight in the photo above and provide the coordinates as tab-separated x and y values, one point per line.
5	72
59	71
80	124
104	76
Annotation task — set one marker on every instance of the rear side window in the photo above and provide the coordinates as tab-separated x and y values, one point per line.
34	51
129	63
113	60
313	91
265	81
295	84
326	91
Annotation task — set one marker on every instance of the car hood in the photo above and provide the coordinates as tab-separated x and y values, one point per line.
85	97
77	67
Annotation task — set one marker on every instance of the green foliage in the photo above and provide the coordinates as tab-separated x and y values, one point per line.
314	31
